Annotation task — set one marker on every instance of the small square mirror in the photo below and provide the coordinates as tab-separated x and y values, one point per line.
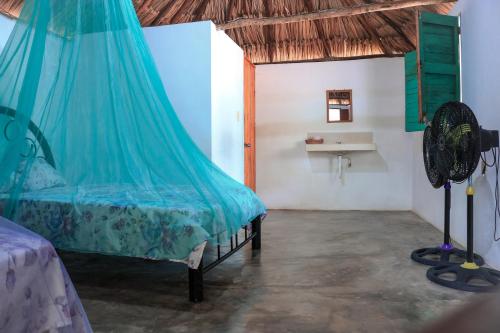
338	106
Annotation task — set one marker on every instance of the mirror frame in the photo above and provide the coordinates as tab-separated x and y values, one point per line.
328	106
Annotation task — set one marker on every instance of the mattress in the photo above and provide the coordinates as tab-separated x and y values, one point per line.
123	220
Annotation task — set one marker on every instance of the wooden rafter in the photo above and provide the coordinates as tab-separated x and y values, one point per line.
373	34
200	10
340	58
319	29
317	41
396	28
366	27
180	11
387	20
161	14
229	7
145	12
268	32
329	13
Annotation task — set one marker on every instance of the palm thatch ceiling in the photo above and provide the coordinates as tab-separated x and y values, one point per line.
273	31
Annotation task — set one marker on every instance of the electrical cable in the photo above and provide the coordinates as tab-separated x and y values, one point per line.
485	160
496	162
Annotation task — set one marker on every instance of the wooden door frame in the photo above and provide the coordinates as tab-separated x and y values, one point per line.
249	135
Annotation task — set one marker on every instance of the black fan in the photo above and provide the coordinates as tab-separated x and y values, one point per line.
445	253
456	145
429	149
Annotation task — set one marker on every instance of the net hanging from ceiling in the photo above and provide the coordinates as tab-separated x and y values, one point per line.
93	156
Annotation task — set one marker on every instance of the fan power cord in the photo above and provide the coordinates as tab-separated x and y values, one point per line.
496	164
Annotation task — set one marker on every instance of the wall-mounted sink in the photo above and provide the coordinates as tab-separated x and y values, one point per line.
342	142
342	147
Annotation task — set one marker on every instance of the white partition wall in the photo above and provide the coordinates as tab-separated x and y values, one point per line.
227	105
183	57
6	26
202	70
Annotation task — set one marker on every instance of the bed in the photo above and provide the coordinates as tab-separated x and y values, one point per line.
103	219
36	292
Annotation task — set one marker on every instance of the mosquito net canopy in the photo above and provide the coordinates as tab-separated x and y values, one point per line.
93	156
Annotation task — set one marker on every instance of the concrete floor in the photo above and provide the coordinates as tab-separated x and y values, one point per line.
317	272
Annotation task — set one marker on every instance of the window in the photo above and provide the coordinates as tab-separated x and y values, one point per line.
338	106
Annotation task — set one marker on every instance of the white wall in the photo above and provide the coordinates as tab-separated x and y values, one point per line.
291	101
202	70
6	26
227	105
481	91
183	57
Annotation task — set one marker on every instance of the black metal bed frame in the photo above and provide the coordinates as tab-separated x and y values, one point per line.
195	275
37	134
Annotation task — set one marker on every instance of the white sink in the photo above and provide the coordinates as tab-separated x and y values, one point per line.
342	142
342	147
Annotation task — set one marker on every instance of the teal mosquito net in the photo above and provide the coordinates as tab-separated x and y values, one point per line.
93	156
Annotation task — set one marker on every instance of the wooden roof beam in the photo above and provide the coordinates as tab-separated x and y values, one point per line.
329	13
268	33
200	10
396	28
319	29
387	20
8	14
366	27
11	8
319	59
166	8
180	11
318	41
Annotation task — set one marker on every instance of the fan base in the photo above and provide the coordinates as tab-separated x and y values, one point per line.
466	277
444	254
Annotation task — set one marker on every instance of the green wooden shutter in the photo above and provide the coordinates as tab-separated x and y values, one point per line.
411	89
437	62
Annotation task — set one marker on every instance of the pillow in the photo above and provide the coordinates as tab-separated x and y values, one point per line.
42	175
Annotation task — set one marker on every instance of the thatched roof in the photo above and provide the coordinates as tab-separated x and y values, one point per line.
315	29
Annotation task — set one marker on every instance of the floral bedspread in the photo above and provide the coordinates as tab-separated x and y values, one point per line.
36	294
160	225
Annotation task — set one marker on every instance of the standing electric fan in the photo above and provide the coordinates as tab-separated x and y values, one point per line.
445	253
456	149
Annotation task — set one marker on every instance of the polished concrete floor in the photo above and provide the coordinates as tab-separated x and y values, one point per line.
317	272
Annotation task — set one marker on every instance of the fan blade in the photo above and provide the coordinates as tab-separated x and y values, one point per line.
457	132
429	152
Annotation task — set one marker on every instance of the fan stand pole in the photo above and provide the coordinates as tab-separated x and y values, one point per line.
447	246
469	263
467	276
445	253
